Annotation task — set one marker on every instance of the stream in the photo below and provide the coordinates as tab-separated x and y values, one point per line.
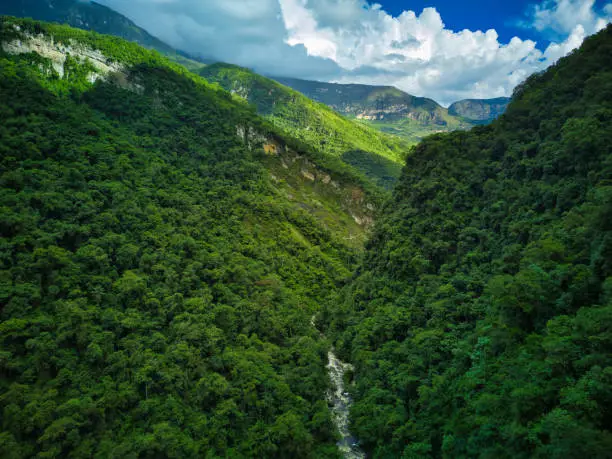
340	401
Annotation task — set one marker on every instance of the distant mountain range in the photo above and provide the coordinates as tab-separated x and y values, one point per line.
370	102
392	110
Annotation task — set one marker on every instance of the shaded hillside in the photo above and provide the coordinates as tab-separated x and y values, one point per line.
383	107
158	277
480	324
92	16
480	110
314	123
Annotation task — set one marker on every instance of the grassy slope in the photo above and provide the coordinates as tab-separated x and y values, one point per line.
428	117
310	121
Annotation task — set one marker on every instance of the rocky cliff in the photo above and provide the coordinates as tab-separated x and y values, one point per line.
484	110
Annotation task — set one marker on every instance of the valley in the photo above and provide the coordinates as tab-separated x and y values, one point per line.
393	111
201	261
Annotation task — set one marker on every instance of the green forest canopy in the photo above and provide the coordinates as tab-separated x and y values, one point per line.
156	291
480	323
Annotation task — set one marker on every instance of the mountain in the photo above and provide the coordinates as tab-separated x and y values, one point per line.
376	154
480	323
370	102
382	107
164	250
89	15
480	110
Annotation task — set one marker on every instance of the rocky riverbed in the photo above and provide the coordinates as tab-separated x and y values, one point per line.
340	401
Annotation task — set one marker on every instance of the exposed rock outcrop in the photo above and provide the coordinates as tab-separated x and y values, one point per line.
484	110
58	52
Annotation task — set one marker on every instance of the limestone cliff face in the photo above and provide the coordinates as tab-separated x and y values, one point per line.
57	53
85	15
484	110
394	112
290	166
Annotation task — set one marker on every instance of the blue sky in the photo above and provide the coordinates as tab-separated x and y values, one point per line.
443	49
500	15
472	14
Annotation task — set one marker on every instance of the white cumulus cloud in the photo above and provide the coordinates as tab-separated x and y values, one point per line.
419	54
563	16
358	41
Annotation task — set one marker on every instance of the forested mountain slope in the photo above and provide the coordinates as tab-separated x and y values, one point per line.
90	15
157	280
480	323
377	155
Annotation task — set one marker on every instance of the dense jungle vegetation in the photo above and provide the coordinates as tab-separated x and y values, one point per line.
480	323
157	284
155	289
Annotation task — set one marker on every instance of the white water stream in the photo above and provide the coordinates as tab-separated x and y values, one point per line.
340	401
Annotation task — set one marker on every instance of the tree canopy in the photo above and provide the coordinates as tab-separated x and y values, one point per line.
480	323
156	290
